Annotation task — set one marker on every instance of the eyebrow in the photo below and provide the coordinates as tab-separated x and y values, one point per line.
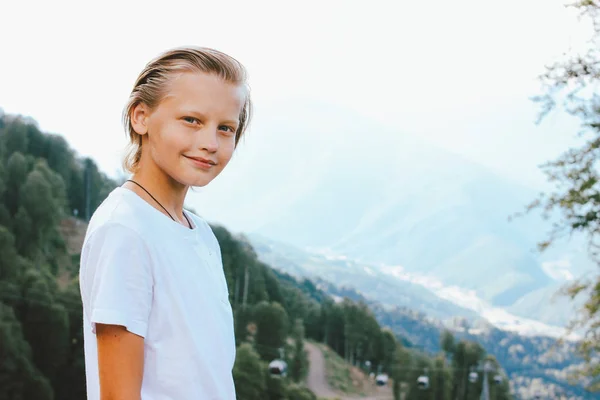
202	116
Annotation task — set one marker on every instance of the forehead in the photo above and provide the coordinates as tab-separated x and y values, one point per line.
205	93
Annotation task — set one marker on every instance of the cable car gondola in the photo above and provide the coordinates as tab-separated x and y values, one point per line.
381	379
473	376
278	368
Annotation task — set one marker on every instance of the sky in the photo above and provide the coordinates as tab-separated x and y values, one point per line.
459	74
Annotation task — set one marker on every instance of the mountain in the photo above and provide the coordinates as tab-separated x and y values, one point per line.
347	273
393	286
548	305
340	184
534	364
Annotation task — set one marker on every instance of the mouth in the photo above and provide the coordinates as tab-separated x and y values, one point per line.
201	162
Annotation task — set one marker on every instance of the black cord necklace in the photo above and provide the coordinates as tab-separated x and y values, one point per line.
158	202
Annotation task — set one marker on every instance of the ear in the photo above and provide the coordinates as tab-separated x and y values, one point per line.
139	118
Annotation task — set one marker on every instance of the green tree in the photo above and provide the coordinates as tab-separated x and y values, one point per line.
334	327
441	379
56	182
2	136
96	187
447	342
19	379
38	387
42	197
354	318
296	303
576	176
299	363
401	371
16	173
76	190
315	322
272	286
245	275
300	392
275	388
59	156
370	344
8	260
2	178
272	328
5	218
45	323
41	343
26	242
421	366
387	348
37	200
15	136
70	380
249	374
36	140
242	319
498	390
466	357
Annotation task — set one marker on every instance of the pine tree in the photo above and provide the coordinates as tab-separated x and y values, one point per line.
249	374
299	363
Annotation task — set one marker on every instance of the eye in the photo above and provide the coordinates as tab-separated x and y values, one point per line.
191	120
227	128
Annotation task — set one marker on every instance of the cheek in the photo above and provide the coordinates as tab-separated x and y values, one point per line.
168	147
176	139
226	150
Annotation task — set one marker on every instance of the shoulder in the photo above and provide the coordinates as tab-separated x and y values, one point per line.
115	246
118	217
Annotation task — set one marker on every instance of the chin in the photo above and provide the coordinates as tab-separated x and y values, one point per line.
199	184
199	181
193	178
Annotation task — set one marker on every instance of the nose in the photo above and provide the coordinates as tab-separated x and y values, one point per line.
208	139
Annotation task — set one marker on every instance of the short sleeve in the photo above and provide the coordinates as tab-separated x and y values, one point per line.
116	279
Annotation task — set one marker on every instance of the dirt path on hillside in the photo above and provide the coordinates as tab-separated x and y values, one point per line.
317	379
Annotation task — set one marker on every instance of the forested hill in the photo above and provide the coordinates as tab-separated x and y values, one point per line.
42	183
47	192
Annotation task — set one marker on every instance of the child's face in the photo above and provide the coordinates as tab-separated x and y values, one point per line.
190	135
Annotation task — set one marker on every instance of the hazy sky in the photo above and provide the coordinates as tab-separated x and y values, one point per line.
458	73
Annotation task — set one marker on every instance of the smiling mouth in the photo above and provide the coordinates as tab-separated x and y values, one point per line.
204	160
201	162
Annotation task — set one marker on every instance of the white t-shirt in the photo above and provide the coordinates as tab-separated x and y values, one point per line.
164	282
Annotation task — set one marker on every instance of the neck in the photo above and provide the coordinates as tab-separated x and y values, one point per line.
170	193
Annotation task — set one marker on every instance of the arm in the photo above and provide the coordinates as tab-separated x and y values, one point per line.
120	362
117	284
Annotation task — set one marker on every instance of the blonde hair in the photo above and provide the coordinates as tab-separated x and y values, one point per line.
151	85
